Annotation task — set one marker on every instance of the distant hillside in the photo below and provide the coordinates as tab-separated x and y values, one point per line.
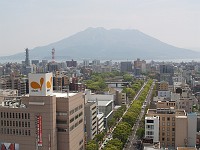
99	43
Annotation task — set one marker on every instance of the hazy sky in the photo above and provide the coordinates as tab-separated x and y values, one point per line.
32	23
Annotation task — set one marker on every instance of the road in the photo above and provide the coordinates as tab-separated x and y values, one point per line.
136	96
132	138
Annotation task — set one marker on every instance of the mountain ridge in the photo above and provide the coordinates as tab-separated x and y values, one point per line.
100	43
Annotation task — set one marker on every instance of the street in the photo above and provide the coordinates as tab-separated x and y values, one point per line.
130	145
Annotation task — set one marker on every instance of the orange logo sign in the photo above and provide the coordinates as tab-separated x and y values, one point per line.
36	85
49	83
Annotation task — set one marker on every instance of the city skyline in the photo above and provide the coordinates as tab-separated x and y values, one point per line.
36	23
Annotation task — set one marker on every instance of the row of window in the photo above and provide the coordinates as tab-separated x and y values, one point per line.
168	118
167	144
61	113
15	131
7	123
168	123
168	134
168	139
13	115
76	109
76	117
168	129
76	124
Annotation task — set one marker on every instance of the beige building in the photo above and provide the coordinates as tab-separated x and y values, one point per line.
43	120
176	128
162	86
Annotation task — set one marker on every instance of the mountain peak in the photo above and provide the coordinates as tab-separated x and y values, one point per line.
101	43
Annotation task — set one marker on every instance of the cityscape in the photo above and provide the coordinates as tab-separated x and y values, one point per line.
99	104
100	75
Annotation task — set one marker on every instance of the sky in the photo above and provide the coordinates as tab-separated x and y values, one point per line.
33	23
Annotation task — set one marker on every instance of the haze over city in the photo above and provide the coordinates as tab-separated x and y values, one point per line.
35	23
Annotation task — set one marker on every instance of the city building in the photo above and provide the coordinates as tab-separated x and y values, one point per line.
71	63
176	128
141	65
126	66
105	104
43	120
91	121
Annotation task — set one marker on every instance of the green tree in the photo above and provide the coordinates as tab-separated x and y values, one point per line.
122	131
99	137
91	145
140	133
130	118
115	142
127	78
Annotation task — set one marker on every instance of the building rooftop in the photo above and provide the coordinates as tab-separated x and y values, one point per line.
104	103
171	110
64	94
186	148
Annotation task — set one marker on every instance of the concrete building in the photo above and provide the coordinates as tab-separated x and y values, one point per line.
152	128
162	86
60	81
43	120
141	65
126	66
166	73
176	128
100	125
105	104
85	63
15	83
91	121
166	94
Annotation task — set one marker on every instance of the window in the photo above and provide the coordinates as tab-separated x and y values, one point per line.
149	132
163	133
150	121
173	118
163	123
173	129
150	126
168	118
163	139
71	120
167	133
168	123
173	123
163	129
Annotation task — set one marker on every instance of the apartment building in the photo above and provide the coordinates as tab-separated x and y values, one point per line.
60	81
176	128
43	120
162	86
91	124
14	83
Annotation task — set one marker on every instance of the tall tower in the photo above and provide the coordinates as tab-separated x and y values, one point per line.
53	55
27	61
